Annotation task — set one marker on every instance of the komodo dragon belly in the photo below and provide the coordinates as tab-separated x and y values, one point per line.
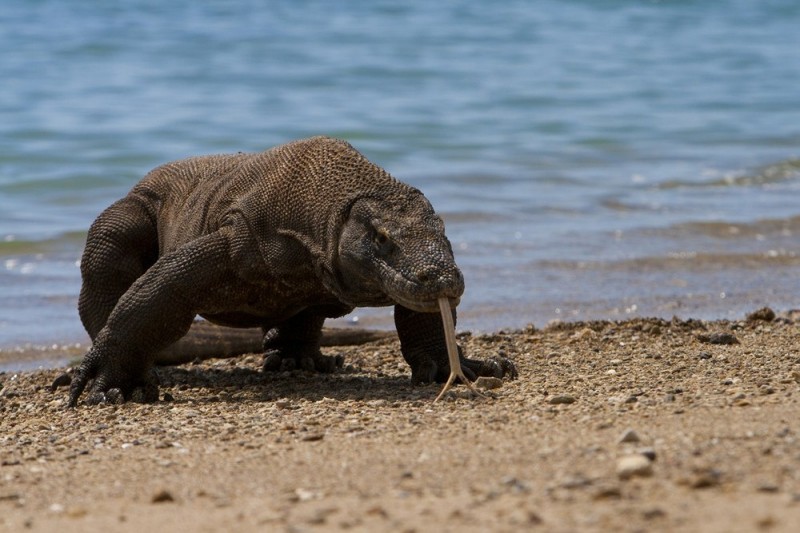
243	305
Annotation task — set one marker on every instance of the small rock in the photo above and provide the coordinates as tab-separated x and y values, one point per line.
767	522
312	437
76	512
650	453
304	495
704	478
515	484
764	314
488	383
560	399
162	496
585	333
653	513
720	337
378	511
608	492
634	465
629	436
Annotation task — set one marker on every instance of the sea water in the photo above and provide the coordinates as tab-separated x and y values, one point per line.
591	159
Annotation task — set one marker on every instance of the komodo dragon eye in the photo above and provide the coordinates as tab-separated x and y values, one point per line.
383	244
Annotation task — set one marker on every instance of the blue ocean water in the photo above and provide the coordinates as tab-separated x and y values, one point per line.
592	159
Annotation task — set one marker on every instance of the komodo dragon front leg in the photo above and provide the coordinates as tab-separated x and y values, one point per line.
156	311
424	348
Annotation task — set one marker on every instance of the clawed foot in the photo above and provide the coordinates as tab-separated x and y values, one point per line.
428	371
276	360
496	367
110	383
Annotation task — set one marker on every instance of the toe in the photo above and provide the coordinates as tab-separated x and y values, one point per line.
272	362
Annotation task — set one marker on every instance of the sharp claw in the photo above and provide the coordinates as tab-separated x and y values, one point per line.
507	368
272	362
61	381
471	375
147	393
96	398
77	387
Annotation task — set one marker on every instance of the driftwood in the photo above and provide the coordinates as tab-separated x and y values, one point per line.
206	340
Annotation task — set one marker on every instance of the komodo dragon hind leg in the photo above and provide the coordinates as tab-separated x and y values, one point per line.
295	344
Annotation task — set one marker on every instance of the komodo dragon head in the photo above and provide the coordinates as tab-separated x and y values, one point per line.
392	249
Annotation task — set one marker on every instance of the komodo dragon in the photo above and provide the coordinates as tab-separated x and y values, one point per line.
281	240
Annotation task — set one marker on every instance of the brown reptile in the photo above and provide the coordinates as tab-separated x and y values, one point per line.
280	240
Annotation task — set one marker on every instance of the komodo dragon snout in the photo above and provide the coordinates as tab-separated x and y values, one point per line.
395	251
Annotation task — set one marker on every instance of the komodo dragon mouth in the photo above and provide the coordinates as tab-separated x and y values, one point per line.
431	306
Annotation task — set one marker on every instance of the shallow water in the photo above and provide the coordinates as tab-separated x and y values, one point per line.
591	159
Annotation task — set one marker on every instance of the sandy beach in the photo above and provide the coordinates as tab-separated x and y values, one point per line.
643	425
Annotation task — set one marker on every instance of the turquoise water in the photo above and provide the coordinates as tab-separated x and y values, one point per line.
592	159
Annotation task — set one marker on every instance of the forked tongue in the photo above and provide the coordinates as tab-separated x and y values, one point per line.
452	350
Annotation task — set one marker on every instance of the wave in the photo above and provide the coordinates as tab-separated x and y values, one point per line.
720	229
67	240
682	261
782	171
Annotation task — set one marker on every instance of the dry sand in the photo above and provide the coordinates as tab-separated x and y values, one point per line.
644	425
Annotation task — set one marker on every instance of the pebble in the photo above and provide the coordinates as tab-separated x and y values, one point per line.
488	383
629	436
562	399
305	495
764	314
162	496
607	493
703	478
76	512
718	338
634	465
650	453
652	513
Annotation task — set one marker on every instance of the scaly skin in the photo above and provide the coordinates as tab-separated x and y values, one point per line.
280	239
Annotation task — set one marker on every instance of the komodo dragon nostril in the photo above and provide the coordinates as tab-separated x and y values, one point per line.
428	274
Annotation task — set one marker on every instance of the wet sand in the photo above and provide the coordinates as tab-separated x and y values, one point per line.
642	425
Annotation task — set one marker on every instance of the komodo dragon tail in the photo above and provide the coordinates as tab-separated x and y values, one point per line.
206	341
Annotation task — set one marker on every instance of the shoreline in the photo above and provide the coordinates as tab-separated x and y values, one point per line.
645	424
30	357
